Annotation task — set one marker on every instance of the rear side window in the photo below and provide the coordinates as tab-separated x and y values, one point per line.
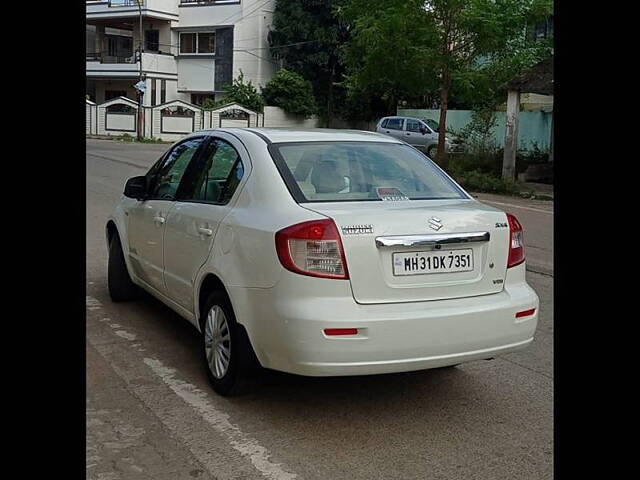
384	123
360	171
394	123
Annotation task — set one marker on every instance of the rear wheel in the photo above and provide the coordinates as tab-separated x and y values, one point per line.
121	288
227	353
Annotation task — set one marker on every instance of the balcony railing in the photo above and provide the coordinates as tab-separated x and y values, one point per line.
104	58
125	3
203	2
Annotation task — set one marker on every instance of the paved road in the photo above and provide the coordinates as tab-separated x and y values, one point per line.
151	414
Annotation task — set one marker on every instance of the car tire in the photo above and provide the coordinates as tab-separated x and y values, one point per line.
121	288
432	152
229	362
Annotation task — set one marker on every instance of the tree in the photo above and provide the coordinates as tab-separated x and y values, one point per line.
307	37
243	93
291	92
389	56
473	33
461	49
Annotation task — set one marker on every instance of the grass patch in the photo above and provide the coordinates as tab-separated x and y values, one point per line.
478	181
129	138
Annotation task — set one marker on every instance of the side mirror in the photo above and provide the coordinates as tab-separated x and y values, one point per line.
423	129
136	187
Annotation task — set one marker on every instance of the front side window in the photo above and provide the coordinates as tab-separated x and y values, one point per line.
168	175
394	124
219	176
413	126
360	171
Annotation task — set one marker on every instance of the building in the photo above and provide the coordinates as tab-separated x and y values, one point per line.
191	49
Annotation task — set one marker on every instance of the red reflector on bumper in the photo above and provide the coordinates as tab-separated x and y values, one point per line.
340	331
526	313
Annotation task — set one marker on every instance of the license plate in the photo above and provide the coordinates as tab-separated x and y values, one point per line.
418	263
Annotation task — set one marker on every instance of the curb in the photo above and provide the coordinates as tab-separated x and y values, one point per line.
541	269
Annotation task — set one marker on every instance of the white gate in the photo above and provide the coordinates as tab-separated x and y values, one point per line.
232	115
173	120
118	116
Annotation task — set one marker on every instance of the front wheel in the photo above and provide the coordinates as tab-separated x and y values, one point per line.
226	350
432	152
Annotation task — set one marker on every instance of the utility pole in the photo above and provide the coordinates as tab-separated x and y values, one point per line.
140	92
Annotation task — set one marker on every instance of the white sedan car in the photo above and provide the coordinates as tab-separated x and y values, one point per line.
320	252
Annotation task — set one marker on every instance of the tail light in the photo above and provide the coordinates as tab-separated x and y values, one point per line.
312	248
516	242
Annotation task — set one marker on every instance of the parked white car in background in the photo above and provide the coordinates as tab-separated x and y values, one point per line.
419	133
321	252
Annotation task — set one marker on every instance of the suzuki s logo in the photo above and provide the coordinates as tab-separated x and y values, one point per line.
435	223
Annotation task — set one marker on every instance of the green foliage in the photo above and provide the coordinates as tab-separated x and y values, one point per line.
243	93
125	137
307	37
389	56
291	92
478	181
209	104
477	135
416	50
532	156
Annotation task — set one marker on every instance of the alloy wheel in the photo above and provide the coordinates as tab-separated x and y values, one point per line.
217	342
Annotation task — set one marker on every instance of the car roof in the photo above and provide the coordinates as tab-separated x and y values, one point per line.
402	116
282	135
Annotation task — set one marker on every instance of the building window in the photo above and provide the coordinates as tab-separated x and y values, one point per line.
207	42
154	92
200	98
152	40
187	43
201	42
163	91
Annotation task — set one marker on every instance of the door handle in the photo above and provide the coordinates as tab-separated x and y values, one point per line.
159	220
205	231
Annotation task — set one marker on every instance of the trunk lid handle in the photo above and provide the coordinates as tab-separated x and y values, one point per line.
431	239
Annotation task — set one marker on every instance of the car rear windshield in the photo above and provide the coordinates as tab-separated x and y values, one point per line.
360	171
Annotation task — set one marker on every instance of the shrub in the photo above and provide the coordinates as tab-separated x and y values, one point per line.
243	93
532	156
291	92
478	181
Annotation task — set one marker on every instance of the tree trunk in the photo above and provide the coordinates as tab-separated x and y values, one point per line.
441	157
330	98
511	135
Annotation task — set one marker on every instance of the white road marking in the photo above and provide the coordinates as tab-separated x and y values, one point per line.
93	304
550	212
125	334
198	399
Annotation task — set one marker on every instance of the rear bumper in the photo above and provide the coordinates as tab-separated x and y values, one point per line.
286	323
